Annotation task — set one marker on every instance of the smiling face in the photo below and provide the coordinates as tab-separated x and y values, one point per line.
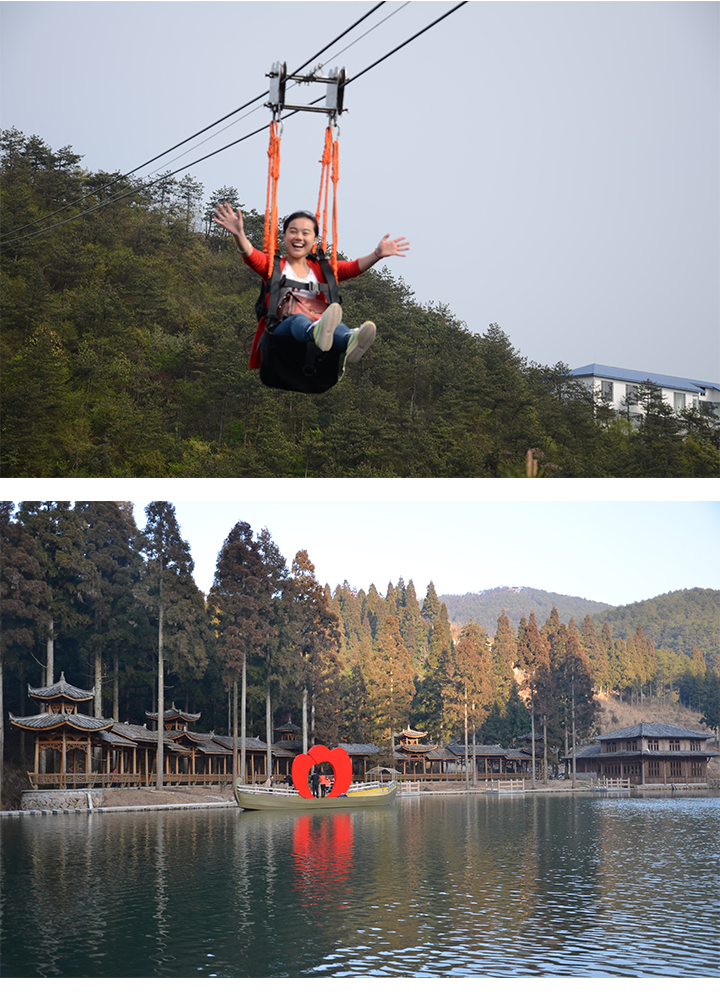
299	238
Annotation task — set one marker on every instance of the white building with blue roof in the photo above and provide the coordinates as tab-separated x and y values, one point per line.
618	385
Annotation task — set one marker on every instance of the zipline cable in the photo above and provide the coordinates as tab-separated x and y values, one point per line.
177	145
229	145
398	47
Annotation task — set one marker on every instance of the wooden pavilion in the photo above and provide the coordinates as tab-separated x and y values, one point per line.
647	754
64	738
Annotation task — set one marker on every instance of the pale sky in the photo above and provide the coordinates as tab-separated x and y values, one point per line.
615	551
554	165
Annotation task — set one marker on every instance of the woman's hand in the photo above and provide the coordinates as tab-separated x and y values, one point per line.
230	220
392	247
233	222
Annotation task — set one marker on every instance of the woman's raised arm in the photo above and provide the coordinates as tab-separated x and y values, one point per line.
233	222
386	247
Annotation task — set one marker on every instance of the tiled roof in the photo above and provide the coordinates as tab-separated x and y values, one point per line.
60	689
359	749
438	754
646	729
173	714
115	740
254	744
584	752
288	727
213	748
197	737
485	750
47	722
636	377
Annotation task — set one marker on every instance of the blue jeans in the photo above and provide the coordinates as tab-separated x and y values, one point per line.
298	326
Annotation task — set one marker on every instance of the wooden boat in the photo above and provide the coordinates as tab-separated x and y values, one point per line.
283	798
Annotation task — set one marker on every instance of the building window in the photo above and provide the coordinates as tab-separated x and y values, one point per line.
653	745
678	401
654	767
708	408
696	767
675	767
674	744
606	391
632	746
631	395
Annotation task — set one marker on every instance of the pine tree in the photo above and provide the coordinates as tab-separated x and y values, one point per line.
279	660
168	590
69	577
596	652
109	538
389	682
239	605
438	669
319	646
412	626
533	659
504	656
24	599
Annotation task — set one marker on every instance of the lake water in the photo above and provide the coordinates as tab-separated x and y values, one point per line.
459	886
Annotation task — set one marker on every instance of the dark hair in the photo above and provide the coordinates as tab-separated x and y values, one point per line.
301	214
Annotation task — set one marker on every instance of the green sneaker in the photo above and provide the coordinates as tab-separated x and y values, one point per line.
361	339
325	327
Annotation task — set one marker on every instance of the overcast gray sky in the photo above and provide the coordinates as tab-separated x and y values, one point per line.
554	165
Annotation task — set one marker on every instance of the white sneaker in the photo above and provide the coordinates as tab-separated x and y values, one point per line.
360	341
324	328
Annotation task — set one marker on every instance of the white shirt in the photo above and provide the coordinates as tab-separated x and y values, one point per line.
288	272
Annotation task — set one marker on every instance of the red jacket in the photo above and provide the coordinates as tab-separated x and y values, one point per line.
258	261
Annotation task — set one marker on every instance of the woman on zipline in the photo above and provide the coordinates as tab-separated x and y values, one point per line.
300	233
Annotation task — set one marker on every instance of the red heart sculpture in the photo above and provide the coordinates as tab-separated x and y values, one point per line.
338	759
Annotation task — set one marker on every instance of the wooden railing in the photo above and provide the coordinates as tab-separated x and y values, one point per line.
506	786
613	783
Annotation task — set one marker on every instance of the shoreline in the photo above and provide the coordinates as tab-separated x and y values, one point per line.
131	800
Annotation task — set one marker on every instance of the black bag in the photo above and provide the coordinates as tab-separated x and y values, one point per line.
286	363
299	367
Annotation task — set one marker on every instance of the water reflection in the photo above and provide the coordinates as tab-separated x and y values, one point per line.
457	886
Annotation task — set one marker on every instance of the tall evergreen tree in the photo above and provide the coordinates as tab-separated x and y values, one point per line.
533	659
319	645
168	590
239	605
69	577
23	601
109	538
504	655
389	682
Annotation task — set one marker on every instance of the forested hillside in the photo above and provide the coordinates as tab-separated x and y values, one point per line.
126	337
678	621
485	607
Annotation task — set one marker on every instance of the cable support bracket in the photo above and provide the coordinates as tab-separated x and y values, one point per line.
334	94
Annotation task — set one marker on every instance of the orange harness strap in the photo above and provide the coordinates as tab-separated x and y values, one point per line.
270	240
330	171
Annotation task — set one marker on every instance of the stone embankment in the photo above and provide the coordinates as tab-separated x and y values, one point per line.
135	799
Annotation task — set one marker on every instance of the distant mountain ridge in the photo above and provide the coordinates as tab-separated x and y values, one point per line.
679	620
518	601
